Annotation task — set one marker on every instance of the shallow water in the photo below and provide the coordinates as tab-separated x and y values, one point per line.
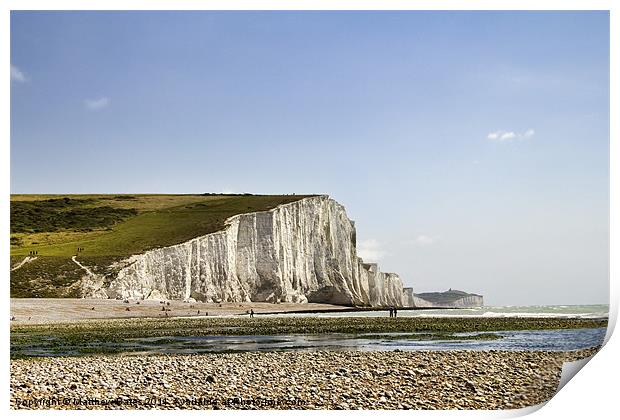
550	340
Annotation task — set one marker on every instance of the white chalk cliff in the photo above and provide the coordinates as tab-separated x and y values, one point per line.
303	251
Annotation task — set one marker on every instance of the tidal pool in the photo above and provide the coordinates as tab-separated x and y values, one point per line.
548	340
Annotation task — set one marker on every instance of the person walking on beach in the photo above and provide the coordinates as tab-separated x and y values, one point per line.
391	312
251	313
395	312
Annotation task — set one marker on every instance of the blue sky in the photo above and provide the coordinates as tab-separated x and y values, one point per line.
471	148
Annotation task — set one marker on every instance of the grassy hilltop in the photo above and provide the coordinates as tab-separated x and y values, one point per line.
109	228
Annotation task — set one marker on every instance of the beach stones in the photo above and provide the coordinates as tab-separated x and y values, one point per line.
293	380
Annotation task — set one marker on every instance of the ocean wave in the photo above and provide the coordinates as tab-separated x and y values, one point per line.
544	315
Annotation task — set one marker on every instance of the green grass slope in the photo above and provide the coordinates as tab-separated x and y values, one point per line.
108	228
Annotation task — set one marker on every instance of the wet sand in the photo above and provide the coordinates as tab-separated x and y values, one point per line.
38	310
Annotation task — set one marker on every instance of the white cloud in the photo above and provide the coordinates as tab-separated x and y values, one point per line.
17	75
424	240
370	250
98	103
507	136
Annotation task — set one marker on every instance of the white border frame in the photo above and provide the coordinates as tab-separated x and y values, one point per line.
591	394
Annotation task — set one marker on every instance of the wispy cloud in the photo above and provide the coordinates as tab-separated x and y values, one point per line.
17	75
423	240
370	250
507	136
98	103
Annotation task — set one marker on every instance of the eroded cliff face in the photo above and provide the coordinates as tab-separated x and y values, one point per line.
298	252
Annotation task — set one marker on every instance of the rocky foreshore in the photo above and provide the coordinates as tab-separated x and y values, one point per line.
291	380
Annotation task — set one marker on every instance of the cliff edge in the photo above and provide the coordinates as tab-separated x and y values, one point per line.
303	251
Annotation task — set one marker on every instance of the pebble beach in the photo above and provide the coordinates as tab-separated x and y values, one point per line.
291	380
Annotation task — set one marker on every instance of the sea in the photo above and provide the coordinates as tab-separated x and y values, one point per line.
533	311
